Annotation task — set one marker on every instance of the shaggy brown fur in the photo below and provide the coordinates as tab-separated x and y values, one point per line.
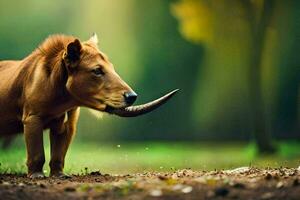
45	89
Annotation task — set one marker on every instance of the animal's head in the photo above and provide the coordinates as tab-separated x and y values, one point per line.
93	81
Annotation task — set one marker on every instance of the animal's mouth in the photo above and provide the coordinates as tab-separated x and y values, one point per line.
133	111
110	109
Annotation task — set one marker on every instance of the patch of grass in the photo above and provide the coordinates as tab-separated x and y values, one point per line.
126	158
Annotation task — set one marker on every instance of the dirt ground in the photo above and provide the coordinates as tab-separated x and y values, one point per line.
241	183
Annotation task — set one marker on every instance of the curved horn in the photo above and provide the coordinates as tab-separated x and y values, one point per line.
133	111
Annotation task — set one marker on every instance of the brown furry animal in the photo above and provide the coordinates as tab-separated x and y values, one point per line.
45	90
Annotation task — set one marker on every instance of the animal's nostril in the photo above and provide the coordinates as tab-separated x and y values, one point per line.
130	97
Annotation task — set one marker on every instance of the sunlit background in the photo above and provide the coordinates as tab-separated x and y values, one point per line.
236	63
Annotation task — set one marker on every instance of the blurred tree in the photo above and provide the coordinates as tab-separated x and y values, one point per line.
287	115
200	25
258	15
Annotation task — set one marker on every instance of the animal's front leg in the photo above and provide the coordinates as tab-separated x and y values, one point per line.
60	138
33	132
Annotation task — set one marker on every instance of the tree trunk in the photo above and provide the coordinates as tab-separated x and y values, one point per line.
262	135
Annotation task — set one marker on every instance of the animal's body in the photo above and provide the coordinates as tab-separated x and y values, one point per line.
46	89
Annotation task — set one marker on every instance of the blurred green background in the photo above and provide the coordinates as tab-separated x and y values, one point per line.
236	63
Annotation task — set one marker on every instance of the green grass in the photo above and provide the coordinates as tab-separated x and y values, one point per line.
157	156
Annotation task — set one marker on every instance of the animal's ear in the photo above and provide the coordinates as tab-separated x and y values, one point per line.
73	51
94	38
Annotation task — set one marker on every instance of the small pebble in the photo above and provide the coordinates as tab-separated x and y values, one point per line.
156	193
21	184
221	191
279	184
187	189
96	173
267	195
239	170
177	187
239	185
42	185
268	176
162	177
70	189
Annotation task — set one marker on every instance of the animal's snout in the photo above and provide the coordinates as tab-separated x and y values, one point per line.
130	97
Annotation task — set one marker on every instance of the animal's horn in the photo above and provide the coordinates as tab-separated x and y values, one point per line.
133	111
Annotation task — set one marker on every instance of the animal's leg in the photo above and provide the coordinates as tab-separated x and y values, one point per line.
33	132
61	134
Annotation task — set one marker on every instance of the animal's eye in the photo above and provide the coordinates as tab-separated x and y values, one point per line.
98	71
